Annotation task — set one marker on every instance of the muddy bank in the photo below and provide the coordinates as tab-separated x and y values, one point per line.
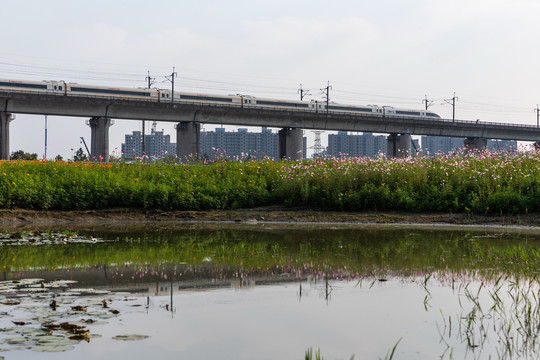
270	214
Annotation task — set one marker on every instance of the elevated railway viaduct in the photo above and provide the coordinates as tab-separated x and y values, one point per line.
189	116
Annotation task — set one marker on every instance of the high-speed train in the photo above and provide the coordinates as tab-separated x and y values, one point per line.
63	88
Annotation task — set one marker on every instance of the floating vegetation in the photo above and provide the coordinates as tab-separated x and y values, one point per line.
130	337
45	238
51	315
53	348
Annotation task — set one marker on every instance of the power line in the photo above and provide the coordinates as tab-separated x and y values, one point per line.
303	93
427	102
201	84
171	79
453	103
151	81
326	91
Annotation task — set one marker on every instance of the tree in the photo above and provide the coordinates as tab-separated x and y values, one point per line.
80	155
21	155
58	158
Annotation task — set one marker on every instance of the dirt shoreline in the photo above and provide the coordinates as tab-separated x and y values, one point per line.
257	215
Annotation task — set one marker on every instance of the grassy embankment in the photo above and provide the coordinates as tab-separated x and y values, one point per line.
483	183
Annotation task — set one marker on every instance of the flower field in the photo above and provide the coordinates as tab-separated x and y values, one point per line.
482	183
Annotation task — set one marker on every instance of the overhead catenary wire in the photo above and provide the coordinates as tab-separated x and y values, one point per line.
198	84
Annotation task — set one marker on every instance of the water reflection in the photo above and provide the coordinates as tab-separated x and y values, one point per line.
231	293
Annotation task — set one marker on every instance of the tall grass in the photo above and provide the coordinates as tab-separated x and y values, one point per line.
481	183
68	186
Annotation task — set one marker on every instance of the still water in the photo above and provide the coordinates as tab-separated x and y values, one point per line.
269	291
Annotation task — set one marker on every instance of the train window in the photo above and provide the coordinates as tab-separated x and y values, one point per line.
54	87
59	88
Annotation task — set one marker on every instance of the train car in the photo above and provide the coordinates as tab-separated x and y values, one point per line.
429	114
316	106
277	104
73	89
411	113
367	109
51	87
165	95
210	99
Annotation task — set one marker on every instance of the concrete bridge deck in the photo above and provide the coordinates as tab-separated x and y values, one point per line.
103	109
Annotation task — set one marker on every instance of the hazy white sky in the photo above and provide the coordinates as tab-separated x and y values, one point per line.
386	52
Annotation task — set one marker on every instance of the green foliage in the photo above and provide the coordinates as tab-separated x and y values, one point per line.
80	155
482	183
496	184
83	185
21	155
309	354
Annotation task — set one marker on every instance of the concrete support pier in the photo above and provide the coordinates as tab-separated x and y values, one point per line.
188	139
99	139
399	145
474	144
290	143
5	119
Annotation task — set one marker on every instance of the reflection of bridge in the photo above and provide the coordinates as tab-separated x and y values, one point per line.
189	117
127	279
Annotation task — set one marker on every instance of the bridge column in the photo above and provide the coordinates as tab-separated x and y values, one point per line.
188	139
99	139
474	144
5	119
398	145
290	142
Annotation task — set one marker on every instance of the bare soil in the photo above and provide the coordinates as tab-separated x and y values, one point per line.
257	215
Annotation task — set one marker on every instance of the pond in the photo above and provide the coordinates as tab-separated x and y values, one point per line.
269	291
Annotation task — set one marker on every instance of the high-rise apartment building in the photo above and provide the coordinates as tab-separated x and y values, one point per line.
237	144
364	145
157	145
437	144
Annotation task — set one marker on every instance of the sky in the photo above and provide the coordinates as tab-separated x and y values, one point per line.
386	52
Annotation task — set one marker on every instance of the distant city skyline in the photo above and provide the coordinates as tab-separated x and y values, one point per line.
242	143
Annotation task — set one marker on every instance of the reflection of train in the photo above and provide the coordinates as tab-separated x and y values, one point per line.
162	95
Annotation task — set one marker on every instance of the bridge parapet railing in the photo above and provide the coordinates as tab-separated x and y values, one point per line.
282	110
